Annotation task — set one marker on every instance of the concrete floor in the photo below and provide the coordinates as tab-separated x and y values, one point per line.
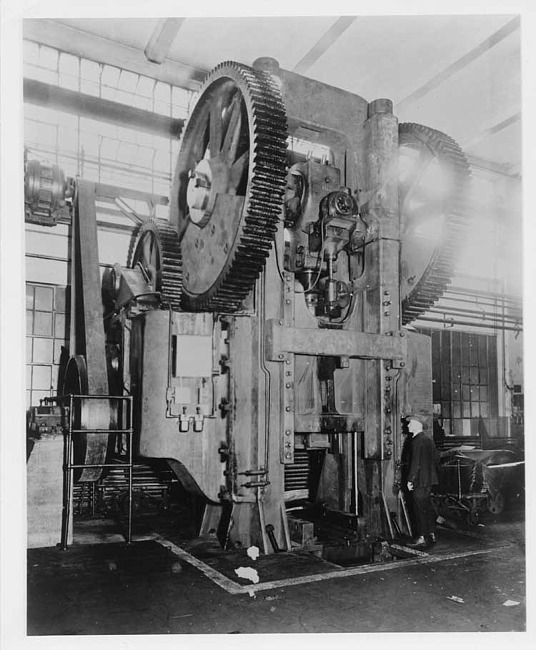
110	588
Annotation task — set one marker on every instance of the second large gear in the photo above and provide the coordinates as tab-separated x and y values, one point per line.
229	183
434	214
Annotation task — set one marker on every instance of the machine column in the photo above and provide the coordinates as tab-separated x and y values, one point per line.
381	304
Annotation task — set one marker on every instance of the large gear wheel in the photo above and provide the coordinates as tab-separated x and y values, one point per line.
158	255
229	184
434	212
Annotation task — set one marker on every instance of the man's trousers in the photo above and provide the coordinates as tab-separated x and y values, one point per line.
424	512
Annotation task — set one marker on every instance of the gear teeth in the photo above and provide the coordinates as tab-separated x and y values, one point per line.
263	206
437	275
169	283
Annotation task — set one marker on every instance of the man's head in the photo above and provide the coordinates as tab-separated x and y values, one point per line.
415	424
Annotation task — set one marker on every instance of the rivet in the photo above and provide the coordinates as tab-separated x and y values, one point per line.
287	432
287	408
281	356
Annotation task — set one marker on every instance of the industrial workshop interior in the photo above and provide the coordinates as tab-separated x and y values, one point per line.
269	263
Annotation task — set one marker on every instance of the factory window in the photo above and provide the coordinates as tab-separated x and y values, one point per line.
464	369
93	149
45	335
51	66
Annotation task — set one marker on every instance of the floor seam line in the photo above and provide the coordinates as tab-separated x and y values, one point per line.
234	588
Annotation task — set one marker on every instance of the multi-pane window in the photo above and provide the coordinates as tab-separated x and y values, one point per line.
95	150
46	332
464	370
51	66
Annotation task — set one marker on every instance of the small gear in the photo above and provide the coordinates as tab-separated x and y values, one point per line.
158	254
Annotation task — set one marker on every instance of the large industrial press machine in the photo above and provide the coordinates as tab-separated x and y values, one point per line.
263	331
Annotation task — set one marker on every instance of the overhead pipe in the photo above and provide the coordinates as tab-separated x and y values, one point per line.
477	315
489	302
452	321
479	292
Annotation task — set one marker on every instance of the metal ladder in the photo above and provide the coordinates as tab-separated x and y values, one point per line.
69	466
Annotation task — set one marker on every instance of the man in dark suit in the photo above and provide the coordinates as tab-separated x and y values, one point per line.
422	476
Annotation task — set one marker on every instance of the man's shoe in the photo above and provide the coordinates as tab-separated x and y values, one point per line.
420	543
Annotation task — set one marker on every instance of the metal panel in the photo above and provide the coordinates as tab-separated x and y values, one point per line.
196	453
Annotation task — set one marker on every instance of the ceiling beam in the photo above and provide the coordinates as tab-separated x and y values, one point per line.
490	167
492	130
461	63
321	46
70	101
103	50
161	39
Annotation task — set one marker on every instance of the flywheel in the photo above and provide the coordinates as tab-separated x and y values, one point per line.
158	255
434	185
230	178
90	449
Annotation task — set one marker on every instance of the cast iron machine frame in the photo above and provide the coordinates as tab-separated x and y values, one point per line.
266	316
